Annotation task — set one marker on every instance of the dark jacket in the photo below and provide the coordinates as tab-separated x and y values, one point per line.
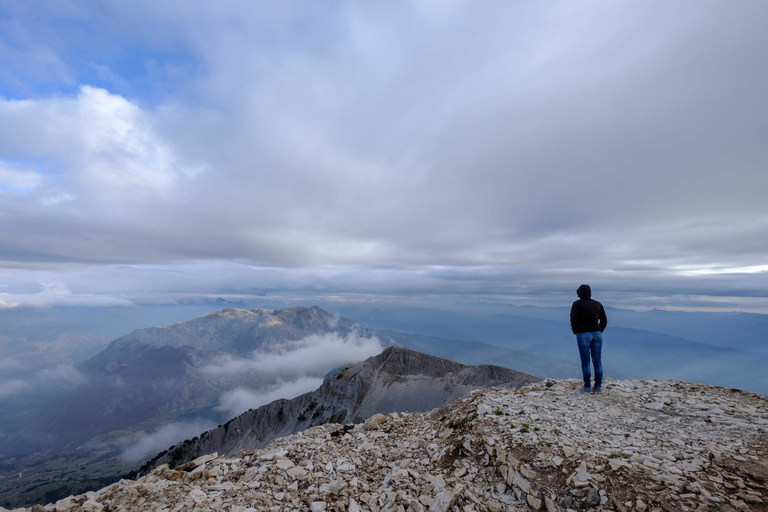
587	315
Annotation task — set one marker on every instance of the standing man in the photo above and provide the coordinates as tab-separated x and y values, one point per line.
588	322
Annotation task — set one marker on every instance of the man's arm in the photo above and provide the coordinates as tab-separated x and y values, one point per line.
603	319
573	318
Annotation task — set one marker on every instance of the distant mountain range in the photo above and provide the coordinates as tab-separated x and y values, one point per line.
731	350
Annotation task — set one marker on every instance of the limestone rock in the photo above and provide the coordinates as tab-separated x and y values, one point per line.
443	501
548	452
374	422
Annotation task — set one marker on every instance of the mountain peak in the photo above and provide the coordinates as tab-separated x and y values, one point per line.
306	317
230	313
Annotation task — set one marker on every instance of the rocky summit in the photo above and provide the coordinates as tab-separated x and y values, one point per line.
638	446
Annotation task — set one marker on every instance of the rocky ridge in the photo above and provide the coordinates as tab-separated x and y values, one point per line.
639	446
396	380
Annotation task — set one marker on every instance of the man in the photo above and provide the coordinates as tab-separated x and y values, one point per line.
588	321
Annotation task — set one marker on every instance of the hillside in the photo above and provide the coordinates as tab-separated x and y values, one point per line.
640	446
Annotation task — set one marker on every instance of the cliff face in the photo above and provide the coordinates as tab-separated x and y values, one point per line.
640	446
397	380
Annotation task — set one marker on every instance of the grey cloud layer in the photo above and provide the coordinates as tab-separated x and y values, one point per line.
298	366
406	147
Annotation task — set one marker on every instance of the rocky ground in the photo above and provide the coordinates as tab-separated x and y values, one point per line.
639	446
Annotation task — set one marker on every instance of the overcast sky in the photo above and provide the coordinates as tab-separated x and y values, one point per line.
423	150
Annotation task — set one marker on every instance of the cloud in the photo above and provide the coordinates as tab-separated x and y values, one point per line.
640	284
9	365
314	355
419	150
149	444
53	379
103	142
11	388
17	180
61	376
298	367
54	294
239	400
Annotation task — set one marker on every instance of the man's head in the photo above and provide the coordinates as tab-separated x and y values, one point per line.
584	292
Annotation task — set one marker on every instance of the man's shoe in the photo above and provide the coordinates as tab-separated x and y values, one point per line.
597	390
585	390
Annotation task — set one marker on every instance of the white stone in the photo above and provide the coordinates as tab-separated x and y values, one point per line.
534	502
285	464
91	506
618	463
345	466
583	476
66	504
205	458
334	487
443	501
654	406
197	495
296	472
374	422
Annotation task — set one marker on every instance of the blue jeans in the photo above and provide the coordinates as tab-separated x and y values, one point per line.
591	343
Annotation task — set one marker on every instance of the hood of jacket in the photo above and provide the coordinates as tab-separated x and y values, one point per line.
584	292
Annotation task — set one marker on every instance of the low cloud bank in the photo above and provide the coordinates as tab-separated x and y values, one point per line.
314	355
52	379
152	443
239	400
61	375
8	365
297	366
11	388
56	294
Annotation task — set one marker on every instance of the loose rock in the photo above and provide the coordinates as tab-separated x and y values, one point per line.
547	448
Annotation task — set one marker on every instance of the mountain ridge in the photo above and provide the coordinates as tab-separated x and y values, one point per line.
398	379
